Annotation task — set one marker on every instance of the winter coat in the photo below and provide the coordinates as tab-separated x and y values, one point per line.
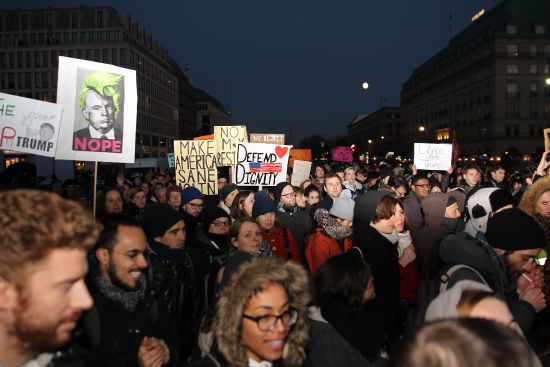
461	248
299	223
320	246
282	243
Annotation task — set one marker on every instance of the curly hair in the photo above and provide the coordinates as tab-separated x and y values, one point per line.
250	279
34	222
529	199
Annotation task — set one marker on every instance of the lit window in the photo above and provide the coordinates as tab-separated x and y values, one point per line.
512	50
539	29
533	68
512	69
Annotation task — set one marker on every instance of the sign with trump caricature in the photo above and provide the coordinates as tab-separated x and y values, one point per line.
99	111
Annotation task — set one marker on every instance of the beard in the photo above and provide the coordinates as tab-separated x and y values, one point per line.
115	279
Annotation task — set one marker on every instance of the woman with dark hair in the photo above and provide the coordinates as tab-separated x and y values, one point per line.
109	201
374	217
342	332
137	204
318	173
242	204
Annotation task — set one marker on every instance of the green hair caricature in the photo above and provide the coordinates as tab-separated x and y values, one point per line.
106	84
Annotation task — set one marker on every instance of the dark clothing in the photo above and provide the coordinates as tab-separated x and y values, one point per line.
191	224
492	183
299	223
461	248
214	359
413	211
381	256
467	188
174	276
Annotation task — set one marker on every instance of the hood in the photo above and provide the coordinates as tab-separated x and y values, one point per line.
246	280
434	206
365	207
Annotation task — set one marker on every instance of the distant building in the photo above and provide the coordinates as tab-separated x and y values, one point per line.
210	112
378	132
488	84
32	40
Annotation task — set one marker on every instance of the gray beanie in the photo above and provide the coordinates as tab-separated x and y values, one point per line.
343	206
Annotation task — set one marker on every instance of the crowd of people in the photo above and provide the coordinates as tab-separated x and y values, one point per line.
360	265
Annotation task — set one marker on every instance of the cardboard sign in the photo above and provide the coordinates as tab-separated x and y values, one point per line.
227	138
204	137
299	154
258	164
28	125
99	111
268	138
342	154
301	172
433	157
170	157
546	140
195	165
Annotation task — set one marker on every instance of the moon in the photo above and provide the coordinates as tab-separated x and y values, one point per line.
365	85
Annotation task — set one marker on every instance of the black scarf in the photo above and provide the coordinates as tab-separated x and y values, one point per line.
129	300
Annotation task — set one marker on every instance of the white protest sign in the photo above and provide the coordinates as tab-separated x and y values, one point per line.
226	138
300	172
28	125
99	111
258	164
433	157
195	165
267	138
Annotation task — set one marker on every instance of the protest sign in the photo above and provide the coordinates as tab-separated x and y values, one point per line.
226	138
258	164
204	137
342	154
433	157
170	157
546	140
28	125
99	111
195	165
300	172
299	154
268	138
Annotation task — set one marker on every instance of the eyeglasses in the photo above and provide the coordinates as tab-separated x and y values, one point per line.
221	224
289	195
134	254
268	322
194	206
425	186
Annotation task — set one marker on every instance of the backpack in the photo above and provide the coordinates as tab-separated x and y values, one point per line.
434	287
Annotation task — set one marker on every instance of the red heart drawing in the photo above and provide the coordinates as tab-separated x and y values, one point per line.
281	151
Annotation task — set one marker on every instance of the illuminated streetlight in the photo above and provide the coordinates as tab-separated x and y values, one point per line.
547	81
370	141
382	137
365	85
421	128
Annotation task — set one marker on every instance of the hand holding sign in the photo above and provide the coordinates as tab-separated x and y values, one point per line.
433	157
258	164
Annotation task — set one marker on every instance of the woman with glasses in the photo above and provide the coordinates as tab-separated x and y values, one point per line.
261	317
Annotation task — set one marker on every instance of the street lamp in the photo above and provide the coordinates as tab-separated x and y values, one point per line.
370	141
547	81
421	128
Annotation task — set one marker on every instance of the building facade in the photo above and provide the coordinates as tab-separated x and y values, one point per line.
378	132
210	112
488	85
32	40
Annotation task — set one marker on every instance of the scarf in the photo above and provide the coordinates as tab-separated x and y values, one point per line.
393	237
285	209
331	225
174	256
127	299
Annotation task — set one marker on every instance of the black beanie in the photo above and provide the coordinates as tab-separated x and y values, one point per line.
212	214
499	199
365	206
158	218
278	190
512	230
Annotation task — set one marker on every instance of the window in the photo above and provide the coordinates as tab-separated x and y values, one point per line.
24	21
546	51
512	50
533	50
54	58
512	109
547	109
511	29
512	89
49	21
533	89
533	109
539	29
511	69
99	19
533	69
122	56
75	20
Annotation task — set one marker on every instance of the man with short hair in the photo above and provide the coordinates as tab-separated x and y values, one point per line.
192	201
173	197
332	189
130	313
497	174
44	241
412	203
166	233
471	178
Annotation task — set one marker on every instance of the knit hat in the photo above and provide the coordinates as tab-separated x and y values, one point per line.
278	190
514	230
190	193
228	189
171	189
385	171
483	202
262	205
365	207
158	218
212	214
343	206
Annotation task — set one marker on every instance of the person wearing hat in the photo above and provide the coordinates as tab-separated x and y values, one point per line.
501	257
484	203
333	237
165	229
289	216
228	194
192	201
281	240
209	252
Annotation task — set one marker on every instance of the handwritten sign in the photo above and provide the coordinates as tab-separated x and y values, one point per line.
433	157
227	138
299	154
204	137
546	140
342	154
28	125
300	172
170	157
268	138
195	165
260	164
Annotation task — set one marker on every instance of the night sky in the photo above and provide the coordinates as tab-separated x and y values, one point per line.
297	63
